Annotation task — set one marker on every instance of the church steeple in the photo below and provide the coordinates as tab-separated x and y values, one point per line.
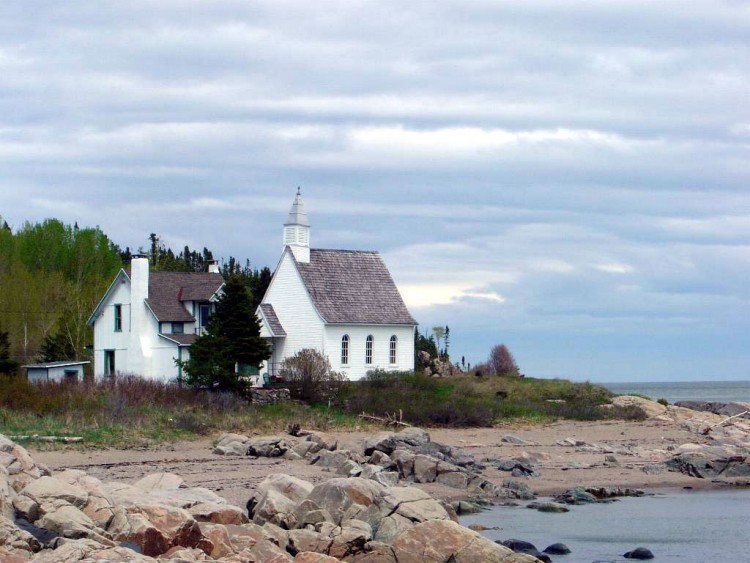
297	230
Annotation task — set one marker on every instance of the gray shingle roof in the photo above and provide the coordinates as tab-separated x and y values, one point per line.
167	291
353	286
274	324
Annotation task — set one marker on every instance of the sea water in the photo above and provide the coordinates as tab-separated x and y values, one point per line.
685	526
720	391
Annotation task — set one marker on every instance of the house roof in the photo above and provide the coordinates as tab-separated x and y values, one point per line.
60	364
272	321
167	291
180	339
353	286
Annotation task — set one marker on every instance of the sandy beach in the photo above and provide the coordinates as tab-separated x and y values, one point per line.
630	447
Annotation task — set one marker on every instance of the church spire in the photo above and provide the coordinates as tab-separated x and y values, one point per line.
297	230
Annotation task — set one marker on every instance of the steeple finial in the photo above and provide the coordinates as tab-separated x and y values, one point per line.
299	190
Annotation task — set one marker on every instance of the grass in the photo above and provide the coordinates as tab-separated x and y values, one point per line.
474	401
131	412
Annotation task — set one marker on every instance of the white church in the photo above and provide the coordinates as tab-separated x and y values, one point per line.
343	303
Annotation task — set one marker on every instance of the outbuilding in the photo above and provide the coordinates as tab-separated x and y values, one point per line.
55	371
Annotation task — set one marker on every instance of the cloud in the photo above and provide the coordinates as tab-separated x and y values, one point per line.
568	177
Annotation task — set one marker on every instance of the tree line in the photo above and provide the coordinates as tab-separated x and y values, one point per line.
52	275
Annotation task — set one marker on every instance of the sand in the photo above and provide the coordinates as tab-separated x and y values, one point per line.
635	445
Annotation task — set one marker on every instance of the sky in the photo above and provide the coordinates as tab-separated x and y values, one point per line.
568	178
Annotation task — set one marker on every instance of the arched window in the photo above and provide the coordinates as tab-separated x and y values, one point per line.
368	350
393	350
345	350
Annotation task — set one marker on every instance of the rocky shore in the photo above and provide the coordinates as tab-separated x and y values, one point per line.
393	496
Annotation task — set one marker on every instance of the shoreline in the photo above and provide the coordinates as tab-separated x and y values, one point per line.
612	453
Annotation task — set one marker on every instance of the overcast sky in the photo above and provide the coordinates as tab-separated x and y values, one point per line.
568	178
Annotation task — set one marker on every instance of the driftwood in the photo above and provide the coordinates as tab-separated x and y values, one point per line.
38	438
388	420
707	430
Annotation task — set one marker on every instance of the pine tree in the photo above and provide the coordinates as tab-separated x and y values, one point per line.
232	337
7	366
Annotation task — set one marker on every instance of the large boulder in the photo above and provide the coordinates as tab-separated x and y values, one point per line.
438	541
99	505
12	537
343	499
276	499
20	466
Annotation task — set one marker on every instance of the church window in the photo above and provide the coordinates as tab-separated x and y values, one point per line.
345	350
393	349
368	350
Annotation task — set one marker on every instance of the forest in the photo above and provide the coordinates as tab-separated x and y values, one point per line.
52	275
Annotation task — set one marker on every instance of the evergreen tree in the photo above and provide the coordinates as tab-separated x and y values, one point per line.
232	337
58	346
7	366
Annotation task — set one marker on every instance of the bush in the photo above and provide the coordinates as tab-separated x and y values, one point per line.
309	376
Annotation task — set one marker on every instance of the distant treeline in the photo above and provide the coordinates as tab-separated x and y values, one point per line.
52	275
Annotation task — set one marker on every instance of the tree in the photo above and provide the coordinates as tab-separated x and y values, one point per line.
58	346
7	366
502	362
422	343
439	332
309	376
232	338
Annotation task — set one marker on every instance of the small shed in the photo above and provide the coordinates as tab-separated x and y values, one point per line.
55	371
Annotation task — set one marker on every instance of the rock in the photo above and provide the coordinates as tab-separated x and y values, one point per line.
380	458
304	449
442	540
654	468
425	469
322	441
516	489
576	496
454	479
463	507
69	522
343	499
404	460
520	546
70	551
231	444
218	513
276	499
511	439
6	494
556	549
267	446
312	557
639	553
157	528
19	465
548	507
702	465
12	537
99	506
48	489
218	535
387	442
160	482
349	468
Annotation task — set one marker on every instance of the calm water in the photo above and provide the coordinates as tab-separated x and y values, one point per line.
690	527
722	391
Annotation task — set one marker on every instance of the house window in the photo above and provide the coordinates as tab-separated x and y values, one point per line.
203	310
345	350
368	350
118	318
393	350
109	362
178	328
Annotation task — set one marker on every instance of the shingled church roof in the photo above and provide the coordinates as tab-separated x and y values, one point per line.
353	286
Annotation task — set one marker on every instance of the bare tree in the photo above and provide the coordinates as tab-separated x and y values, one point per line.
309	376
502	362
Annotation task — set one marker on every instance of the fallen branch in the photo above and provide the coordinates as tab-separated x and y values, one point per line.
38	438
388	420
707	430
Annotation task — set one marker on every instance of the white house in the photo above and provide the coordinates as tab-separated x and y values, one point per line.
147	320
341	302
